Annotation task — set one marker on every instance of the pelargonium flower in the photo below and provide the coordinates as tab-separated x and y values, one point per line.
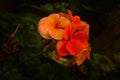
53	26
75	41
71	33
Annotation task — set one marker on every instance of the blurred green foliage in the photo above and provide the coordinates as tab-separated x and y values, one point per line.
56	7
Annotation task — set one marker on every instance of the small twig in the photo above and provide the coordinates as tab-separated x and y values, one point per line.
9	47
13	34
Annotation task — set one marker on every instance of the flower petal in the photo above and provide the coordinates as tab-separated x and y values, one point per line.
55	18
64	15
69	31
84	27
87	29
46	24
77	42
86	53
76	20
81	57
70	14
61	48
62	22
56	34
57	22
80	36
74	47
43	27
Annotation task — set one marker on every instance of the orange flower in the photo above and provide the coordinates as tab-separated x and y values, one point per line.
52	26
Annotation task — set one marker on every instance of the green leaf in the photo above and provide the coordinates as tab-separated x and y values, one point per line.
117	59
48	7
103	62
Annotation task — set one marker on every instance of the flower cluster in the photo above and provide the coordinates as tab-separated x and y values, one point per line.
71	34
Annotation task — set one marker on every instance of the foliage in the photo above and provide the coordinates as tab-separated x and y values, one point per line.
78	6
55	7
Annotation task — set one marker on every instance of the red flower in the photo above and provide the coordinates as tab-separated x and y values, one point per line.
75	41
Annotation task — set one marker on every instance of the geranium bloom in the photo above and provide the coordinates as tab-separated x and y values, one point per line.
71	33
75	41
52	26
